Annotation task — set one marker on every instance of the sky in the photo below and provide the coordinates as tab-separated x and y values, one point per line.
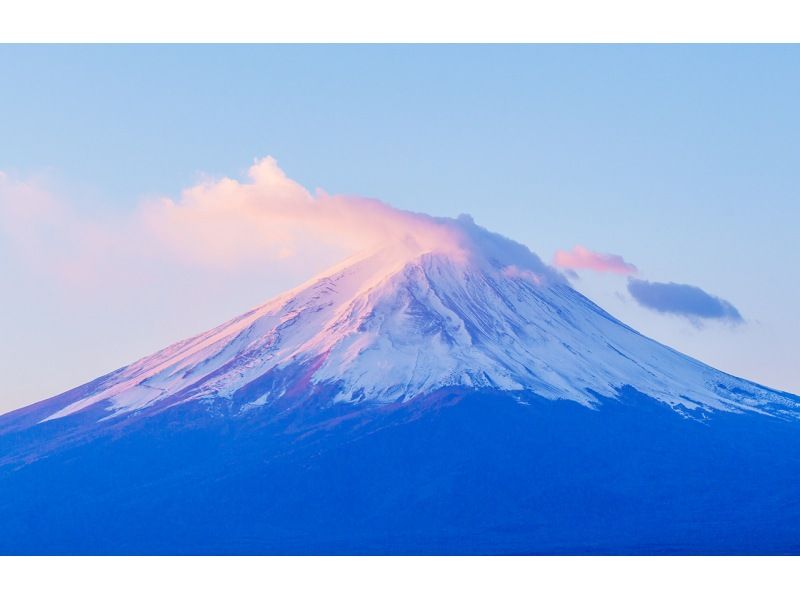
662	180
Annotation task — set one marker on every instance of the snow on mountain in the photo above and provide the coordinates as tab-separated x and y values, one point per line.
472	310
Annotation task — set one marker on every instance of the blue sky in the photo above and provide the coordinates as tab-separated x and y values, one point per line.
682	159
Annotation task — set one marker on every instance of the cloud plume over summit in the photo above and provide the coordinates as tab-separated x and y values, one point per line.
270	215
223	224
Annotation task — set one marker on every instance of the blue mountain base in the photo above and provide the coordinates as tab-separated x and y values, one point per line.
460	472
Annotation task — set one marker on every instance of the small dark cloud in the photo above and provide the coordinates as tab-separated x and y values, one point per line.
683	300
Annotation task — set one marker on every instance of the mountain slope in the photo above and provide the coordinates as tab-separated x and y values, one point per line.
455	397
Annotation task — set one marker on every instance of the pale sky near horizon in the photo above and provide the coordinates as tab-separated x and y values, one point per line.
683	160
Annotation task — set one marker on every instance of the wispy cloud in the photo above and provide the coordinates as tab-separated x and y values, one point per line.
581	258
48	234
682	300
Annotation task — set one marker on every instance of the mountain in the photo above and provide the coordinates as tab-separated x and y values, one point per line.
454	397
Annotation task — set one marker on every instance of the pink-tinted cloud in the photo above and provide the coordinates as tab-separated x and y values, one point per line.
46	234
269	216
226	225
514	271
581	258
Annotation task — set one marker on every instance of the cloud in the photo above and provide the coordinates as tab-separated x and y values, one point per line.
271	217
228	225
581	258
221	224
49	235
682	300
664	297
514	271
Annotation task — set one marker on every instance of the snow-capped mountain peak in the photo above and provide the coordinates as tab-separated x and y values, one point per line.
463	307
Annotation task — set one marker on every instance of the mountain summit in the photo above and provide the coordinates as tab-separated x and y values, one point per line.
445	392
